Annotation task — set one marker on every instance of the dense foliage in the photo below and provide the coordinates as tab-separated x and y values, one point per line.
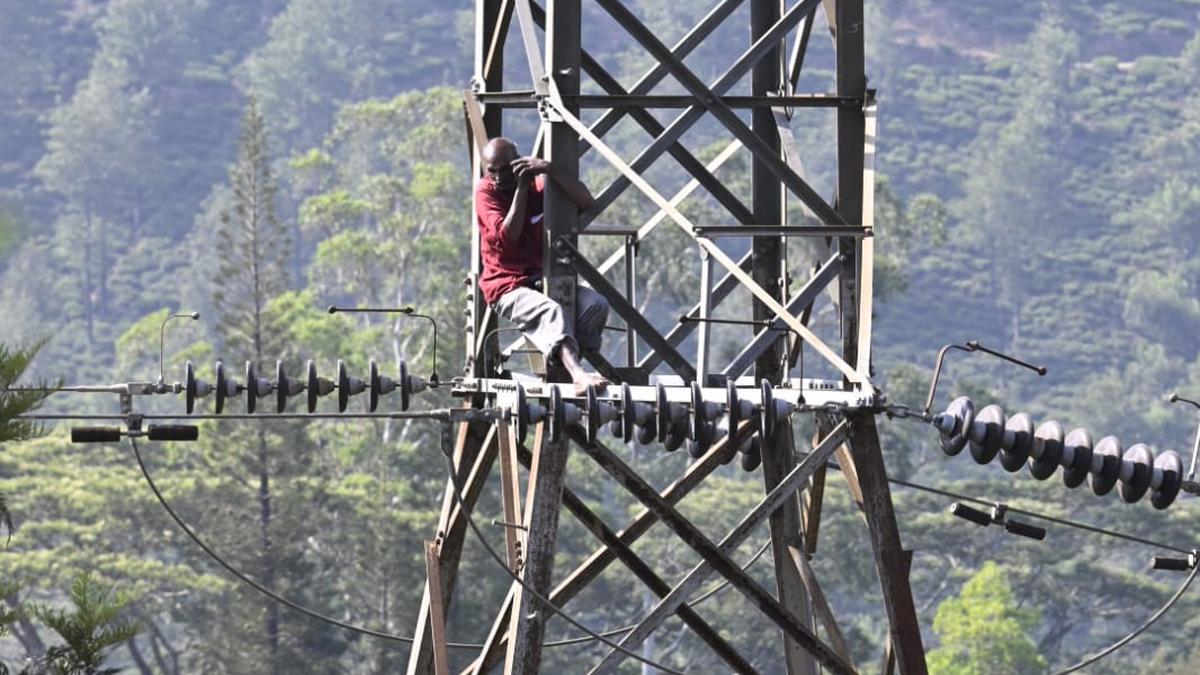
259	161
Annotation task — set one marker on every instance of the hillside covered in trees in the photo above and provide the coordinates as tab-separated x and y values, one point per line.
1039	191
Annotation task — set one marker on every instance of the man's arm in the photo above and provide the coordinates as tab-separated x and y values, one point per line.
514	220
575	189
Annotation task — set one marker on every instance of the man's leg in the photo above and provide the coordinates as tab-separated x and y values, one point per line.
590	318
541	320
537	316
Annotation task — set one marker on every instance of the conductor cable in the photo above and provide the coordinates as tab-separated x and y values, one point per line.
362	630
242	576
313	614
1138	631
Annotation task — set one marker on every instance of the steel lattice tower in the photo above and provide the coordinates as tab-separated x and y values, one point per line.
780	32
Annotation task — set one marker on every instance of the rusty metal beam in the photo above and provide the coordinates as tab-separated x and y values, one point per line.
589	570
594	524
437	608
510	491
885	543
542	504
474	452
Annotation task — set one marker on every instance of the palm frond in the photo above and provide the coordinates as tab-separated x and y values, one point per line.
23	399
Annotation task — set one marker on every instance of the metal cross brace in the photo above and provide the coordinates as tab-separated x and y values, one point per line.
713	250
716	556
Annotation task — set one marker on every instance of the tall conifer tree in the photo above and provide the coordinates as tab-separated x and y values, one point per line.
255	250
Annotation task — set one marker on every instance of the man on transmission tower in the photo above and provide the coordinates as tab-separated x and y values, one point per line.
509	205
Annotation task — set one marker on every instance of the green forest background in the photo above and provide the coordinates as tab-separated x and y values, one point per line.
1040	180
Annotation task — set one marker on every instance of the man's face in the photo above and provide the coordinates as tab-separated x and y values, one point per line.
498	165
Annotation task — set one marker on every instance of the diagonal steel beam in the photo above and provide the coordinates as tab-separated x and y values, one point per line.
715	251
689	117
652	126
595	524
625	310
761	149
661	215
589	570
543	502
820	603
890	561
716	558
475	447
763	340
799	51
495	49
533	52
712	102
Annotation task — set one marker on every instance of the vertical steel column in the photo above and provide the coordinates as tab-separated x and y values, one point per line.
891	559
563	57
866	455
491	19
777	455
631	245
544	499
542	506
704	331
851	81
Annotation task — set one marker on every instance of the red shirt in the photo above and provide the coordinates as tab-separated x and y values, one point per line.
506	266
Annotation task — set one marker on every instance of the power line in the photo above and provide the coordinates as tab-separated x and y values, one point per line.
241	576
591	635
1040	516
1138	631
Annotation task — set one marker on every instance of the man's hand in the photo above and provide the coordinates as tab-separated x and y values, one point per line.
526	168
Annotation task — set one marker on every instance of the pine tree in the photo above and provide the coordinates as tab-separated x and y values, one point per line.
14	403
255	251
1018	193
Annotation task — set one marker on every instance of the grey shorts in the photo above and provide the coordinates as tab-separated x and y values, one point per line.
541	319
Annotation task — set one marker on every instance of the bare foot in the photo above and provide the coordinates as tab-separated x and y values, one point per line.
583	379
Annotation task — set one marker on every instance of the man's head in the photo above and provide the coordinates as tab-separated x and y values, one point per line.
498	156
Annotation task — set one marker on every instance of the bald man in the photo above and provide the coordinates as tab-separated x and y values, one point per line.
509	206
